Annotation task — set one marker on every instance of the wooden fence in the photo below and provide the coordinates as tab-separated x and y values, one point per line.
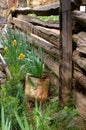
79	61
47	35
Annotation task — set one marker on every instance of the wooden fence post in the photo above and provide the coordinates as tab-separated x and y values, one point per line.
65	69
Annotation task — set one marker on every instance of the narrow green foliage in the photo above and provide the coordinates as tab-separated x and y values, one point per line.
35	64
5	124
24	125
15	46
12	98
41	119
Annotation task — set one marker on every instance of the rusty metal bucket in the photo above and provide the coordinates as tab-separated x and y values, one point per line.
37	88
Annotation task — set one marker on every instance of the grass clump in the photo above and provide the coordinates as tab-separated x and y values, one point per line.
46	18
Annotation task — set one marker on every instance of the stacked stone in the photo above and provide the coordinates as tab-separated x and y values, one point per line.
40	2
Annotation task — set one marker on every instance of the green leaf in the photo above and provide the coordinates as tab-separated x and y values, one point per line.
19	121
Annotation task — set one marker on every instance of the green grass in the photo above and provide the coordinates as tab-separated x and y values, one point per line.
46	18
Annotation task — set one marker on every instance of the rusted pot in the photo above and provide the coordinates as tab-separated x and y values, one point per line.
37	88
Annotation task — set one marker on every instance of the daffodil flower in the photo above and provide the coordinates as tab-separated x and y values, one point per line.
14	42
21	56
5	48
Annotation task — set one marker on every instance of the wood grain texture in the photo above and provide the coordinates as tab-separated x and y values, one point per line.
80	78
65	68
52	9
48	35
35	21
47	47
80	40
79	60
81	104
80	17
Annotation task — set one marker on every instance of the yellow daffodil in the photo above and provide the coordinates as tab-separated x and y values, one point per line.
5	48
21	56
14	42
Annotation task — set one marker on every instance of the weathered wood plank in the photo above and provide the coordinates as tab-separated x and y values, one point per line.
80	40
46	10
80	61
39	31
81	104
80	78
65	70
80	17
84	2
47	47
36	21
52	65
77	2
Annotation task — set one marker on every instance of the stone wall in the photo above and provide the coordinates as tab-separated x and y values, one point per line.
5	5
22	3
39	2
3	8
